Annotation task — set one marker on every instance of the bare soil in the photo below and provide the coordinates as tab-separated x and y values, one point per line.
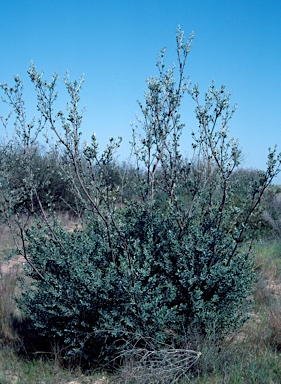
15	264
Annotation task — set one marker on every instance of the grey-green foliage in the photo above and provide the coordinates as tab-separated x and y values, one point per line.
173	260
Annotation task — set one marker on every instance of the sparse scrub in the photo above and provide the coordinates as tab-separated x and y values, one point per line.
272	210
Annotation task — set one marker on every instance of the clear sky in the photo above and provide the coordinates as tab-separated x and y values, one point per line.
115	44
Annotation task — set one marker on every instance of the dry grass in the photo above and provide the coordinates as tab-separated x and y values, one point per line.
23	371
6	240
274	320
165	366
8	309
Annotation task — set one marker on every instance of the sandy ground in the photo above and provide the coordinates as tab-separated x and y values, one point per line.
15	264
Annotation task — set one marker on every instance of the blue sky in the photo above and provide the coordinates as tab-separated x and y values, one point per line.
115	44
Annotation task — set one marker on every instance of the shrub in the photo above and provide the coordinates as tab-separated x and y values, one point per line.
175	258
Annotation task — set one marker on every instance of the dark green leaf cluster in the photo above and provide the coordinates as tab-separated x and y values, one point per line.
157	283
